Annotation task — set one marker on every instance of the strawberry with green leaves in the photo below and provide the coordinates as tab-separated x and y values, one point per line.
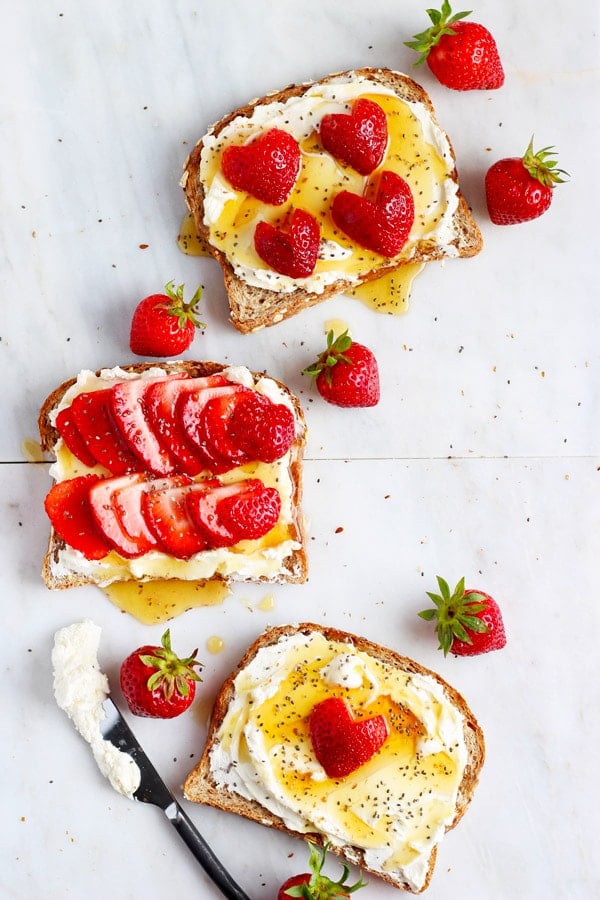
518	189
164	324
346	373
156	682
462	55
468	622
314	885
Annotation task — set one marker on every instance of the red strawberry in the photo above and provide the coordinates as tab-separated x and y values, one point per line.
341	743
358	139
291	252
266	168
167	517
214	424
462	55
156	682
518	189
468	622
189	414
71	435
101	500
381	224
252	513
346	373
92	414
127	403
262	429
315	886
163	325
68	509
160	405
203	507
127	502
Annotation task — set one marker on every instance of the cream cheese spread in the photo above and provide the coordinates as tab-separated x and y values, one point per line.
80	688
397	806
418	150
249	560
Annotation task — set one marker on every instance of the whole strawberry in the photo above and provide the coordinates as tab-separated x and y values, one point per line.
468	622
156	682
462	55
163	324
518	189
346	373
315	886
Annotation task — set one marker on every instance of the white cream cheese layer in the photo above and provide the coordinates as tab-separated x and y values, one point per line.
418	150
264	558
80	688
396	806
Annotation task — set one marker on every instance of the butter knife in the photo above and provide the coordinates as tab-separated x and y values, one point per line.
153	790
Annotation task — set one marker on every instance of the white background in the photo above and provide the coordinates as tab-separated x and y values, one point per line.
480	460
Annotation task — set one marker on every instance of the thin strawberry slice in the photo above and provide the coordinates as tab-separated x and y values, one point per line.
213	424
128	406
189	414
160	403
127	502
105	515
342	743
203	509
166	514
252	513
72	437
91	413
68	508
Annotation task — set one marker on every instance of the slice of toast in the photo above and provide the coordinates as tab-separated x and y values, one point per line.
64	567
258	760
418	149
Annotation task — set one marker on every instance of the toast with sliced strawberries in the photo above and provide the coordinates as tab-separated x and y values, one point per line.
187	470
320	187
330	737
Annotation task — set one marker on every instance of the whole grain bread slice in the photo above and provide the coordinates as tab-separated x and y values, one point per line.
295	566
201	787
253	308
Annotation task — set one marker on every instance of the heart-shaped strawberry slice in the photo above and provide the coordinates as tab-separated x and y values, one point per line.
293	252
358	139
266	168
342	743
382	224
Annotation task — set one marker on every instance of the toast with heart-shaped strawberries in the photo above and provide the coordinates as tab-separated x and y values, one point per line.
286	192
333	738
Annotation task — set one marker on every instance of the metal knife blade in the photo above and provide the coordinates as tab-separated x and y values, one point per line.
153	790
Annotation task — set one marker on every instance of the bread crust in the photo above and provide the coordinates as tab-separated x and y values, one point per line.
253	308
200	786
295	566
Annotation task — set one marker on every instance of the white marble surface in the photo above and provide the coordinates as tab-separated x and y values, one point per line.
486	438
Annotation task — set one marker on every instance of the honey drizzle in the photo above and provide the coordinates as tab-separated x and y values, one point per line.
153	602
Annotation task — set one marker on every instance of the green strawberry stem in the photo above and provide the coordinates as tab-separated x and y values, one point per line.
454	612
542	165
172	673
320	887
442	21
185	312
334	353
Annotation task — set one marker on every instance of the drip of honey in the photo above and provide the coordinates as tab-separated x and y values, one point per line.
267	604
188	239
215	644
32	450
153	602
390	293
338	326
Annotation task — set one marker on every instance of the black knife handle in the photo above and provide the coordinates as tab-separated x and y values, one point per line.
205	856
